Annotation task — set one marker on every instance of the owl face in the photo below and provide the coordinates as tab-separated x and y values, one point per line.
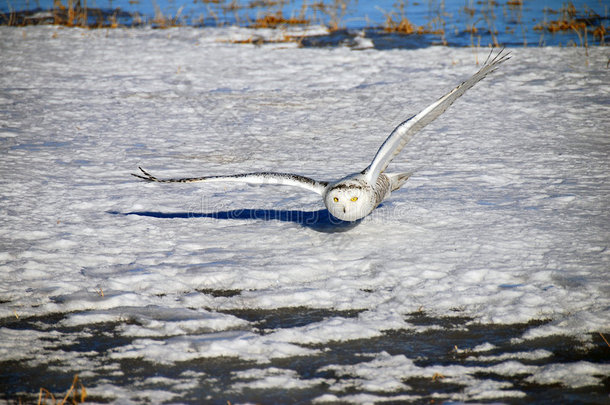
348	203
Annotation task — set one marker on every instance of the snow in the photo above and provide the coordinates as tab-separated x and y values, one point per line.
504	221
273	377
385	373
533	355
575	375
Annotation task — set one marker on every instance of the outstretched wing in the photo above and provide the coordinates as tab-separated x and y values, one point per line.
251	178
405	131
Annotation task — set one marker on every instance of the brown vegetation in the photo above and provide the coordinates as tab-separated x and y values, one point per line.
76	394
399	23
275	20
570	19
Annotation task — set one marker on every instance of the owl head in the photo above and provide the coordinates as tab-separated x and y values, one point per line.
349	202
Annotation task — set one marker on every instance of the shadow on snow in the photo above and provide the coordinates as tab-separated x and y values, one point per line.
321	220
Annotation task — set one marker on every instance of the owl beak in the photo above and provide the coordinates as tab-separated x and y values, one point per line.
344	210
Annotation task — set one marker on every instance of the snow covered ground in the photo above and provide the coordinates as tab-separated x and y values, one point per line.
493	258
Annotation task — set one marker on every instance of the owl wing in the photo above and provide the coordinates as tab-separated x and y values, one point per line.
286	179
405	131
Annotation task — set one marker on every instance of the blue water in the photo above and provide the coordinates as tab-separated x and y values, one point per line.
496	21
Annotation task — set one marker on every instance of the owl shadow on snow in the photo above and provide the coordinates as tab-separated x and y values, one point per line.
321	220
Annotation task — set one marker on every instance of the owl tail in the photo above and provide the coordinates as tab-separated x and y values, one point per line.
398	179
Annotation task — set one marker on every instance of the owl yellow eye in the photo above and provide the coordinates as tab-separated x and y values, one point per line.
335	199
354	198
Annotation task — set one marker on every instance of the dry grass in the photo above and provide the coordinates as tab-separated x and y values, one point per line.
603	337
561	25
581	22
276	20
337	12
162	21
437	377
334	10
258	40
76	394
397	22
73	14
402	26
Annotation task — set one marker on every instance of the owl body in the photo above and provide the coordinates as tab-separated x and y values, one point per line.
353	197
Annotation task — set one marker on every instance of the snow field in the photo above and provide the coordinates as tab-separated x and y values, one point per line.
504	221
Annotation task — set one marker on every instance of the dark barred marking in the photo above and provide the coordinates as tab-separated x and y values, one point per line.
382	188
271	176
349	187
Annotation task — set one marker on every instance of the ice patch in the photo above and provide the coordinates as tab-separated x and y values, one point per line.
533	355
337	329
396	369
365	399
245	345
158	321
273	377
572	375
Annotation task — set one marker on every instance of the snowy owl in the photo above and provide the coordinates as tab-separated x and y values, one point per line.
357	195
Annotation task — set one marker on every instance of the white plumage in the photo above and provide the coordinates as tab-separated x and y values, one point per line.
357	195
